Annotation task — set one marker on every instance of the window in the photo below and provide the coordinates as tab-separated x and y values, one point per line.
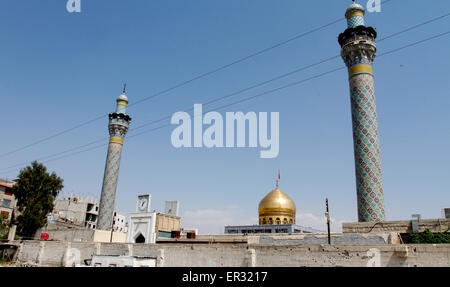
264	221
278	221
270	221
6	203
285	221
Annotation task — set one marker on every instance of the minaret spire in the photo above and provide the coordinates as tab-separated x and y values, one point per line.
124	88
358	52
118	125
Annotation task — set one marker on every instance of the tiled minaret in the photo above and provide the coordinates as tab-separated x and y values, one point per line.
118	127
358	52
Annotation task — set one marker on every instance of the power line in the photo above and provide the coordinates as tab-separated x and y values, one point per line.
245	89
267	92
179	85
53	136
242	90
59	153
291	72
184	83
414	27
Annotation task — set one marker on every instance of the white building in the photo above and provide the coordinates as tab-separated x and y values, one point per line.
119	223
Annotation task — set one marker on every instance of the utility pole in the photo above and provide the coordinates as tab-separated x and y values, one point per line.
327	214
112	230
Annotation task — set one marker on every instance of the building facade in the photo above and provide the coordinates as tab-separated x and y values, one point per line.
83	212
273	228
146	226
7	200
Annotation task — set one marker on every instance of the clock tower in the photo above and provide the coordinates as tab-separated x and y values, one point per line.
143	203
142	227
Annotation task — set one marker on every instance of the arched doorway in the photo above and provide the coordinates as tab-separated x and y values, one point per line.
140	238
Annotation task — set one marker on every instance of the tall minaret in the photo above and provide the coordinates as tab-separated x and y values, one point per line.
118	127
358	52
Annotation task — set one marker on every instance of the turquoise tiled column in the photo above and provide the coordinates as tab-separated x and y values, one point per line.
118	127
358	52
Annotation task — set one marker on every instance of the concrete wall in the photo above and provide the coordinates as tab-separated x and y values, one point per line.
73	210
323	239
73	235
234	255
295	238
403	226
87	235
105	236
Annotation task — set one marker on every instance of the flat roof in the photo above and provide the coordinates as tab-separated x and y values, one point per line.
5	185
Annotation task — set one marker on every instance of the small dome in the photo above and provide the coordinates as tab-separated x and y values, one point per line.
353	8
122	97
277	202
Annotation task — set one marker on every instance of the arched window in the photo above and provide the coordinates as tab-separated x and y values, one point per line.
270	220
290	221
285	221
278	221
264	221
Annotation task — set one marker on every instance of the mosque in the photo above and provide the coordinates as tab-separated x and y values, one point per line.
277	213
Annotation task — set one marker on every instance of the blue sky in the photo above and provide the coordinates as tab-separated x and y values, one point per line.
60	69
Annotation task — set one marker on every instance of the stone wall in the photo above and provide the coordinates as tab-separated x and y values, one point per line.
403	226
235	255
73	235
320	239
286	238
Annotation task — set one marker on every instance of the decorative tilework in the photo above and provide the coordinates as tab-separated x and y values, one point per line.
108	195
369	181
359	56
355	21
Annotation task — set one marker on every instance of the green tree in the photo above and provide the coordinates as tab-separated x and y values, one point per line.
4	224
35	191
428	237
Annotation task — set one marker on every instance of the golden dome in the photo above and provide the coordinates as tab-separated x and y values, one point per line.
276	205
